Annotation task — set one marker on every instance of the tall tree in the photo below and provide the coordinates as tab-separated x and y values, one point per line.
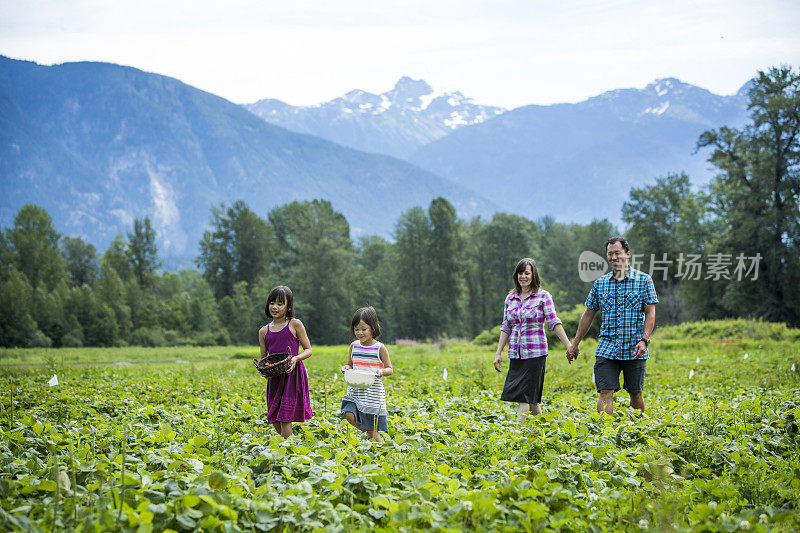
446	283
116	257
142	252
316	258
378	286
239	247
81	260
412	241
667	224
33	247
494	248
17	326
756	197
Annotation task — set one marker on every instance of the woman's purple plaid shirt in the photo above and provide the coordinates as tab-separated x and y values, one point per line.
524	323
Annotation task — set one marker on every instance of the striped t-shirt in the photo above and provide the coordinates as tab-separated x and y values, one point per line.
372	400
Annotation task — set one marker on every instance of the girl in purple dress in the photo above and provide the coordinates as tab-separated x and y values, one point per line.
287	395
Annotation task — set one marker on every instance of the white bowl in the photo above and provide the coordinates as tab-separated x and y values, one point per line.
359	379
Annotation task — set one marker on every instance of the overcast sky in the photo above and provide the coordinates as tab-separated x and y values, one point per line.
499	52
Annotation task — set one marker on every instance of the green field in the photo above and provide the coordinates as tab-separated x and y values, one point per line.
185	446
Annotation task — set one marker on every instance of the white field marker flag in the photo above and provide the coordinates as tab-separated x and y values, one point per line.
444	374
53	381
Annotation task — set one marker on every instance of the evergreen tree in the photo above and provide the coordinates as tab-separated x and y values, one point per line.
17	326
446	269
412	243
81	260
756	199
116	257
32	247
317	260
142	252
494	249
668	225
239	247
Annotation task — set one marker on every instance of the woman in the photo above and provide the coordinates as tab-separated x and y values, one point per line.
525	310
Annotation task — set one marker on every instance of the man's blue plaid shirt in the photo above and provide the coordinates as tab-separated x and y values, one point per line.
622	304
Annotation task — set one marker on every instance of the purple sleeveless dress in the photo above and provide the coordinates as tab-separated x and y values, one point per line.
287	395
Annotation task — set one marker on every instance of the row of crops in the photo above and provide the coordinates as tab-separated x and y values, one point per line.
185	447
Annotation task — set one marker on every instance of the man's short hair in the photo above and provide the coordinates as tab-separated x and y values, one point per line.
621	240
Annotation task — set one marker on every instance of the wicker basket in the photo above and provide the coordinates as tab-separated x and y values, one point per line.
273	365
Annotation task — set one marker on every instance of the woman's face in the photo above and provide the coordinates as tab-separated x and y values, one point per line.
525	278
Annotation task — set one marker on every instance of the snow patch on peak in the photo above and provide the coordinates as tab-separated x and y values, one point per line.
455	120
656	110
426	99
664	86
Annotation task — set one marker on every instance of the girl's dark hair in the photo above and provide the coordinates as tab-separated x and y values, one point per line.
281	293
535	281
370	318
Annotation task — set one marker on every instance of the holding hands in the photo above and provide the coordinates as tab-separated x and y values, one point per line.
572	352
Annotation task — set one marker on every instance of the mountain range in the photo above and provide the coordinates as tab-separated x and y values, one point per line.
396	123
98	145
573	161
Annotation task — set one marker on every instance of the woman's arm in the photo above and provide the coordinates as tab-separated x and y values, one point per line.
505	334
387	369
498	356
562	336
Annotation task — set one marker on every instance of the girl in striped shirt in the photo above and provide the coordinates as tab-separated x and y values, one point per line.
361	406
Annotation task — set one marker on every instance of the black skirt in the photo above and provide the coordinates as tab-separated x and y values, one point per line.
525	380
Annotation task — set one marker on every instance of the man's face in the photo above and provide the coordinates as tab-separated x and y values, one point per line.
617	256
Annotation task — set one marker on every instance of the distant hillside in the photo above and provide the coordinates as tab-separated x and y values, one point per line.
578	161
395	123
99	144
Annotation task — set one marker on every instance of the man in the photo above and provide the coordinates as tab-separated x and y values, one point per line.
627	298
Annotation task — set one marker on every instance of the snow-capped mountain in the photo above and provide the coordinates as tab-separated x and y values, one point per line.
579	161
395	123
98	145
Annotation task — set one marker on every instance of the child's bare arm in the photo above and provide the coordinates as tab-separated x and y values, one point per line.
387	369
349	365
261	333
302	338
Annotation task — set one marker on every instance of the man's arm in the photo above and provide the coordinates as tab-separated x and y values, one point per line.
583	327
647	329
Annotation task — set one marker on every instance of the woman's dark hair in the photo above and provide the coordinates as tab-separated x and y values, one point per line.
535	281
281	293
370	318
620	240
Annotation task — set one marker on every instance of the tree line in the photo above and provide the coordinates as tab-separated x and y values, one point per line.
440	276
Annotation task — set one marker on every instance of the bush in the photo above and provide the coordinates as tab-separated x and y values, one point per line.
152	337
488	337
210	338
40	340
738	328
73	339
